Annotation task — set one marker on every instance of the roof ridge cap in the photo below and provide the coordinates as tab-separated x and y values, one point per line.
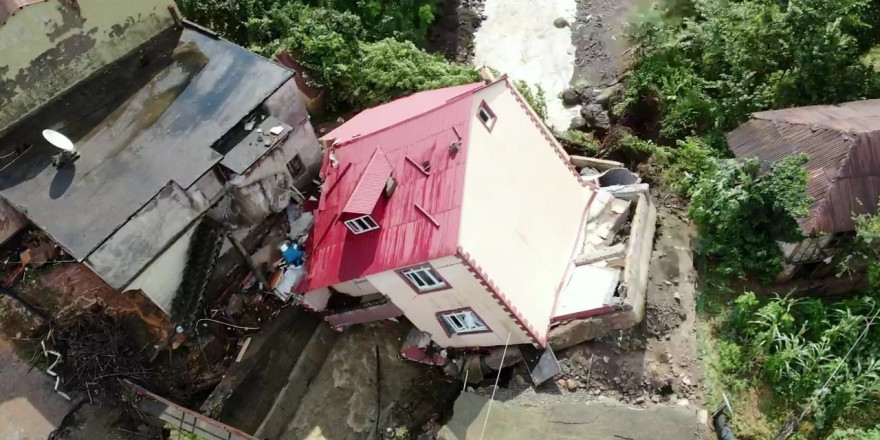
431	110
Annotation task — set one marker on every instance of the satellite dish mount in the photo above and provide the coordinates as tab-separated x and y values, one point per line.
68	153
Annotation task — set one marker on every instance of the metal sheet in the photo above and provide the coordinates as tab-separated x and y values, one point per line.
243	154
152	229
843	146
542	364
162	132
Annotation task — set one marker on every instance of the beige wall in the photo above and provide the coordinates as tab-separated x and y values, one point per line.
358	287
466	291
522	207
48	47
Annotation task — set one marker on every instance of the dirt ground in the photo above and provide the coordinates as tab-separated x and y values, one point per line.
601	50
652	365
342	401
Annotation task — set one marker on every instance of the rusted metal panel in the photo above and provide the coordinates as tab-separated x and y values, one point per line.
11	222
843	146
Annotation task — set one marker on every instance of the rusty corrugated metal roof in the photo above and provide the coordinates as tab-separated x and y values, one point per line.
843	146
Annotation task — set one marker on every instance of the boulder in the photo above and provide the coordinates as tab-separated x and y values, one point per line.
577	123
493	359
596	117
606	97
561	23
570	97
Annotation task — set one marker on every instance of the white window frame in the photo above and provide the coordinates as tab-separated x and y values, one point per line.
361	224
424	278
490	119
463	321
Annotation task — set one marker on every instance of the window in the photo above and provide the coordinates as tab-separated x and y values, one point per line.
296	167
361	224
486	115
424	278
462	321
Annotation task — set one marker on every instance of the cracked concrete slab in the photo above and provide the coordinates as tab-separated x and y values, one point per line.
607	419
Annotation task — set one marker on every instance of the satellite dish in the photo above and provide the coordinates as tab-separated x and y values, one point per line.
68	153
59	140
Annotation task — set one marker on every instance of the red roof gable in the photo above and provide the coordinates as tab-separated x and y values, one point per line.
369	187
420	221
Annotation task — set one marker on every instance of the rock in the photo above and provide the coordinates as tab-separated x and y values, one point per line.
667	282
577	123
677	296
561	23
596	117
682	402
570	97
571	384
606	96
686	380
235	305
703	416
655	398
519	380
493	359
640	400
605	359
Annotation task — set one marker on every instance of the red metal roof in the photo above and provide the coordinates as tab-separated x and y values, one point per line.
369	187
408	132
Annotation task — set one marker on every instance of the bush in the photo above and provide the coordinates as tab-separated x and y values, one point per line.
728	58
389	68
537	100
740	214
855	434
796	344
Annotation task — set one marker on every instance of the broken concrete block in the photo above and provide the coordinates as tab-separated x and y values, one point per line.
592	162
612	254
582	330
493	359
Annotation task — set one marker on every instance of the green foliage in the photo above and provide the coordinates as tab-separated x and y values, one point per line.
686	164
796	344
537	100
362	52
581	142
727	58
867	246
855	434
390	68
741	213
400	19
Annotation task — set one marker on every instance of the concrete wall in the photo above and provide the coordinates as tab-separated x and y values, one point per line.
465	291
47	47
523	207
160	280
358	287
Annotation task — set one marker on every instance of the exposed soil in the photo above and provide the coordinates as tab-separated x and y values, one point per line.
601	53
452	33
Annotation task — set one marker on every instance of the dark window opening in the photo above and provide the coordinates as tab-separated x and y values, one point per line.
296	167
426	166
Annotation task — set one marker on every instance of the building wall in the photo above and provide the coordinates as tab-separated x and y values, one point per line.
49	46
358	287
466	291
523	208
160	280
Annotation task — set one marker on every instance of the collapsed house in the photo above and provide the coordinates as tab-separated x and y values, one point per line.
457	209
843	171
170	126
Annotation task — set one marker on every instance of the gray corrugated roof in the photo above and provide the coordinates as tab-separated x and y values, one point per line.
843	146
254	145
161	133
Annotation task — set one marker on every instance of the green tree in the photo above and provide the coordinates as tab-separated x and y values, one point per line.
708	71
741	213
400	19
867	246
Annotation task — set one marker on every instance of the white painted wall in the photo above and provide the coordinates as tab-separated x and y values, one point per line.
522	209
466	291
160	280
